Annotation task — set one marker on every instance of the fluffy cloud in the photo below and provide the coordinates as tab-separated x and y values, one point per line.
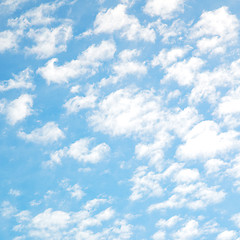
216	30
49	133
214	165
126	65
75	190
227	235
86	63
81	151
18	109
41	15
116	19
22	80
7	209
14	192
164	9
206	140
49	41
159	235
236	219
74	225
208	85
184	73
188	232
77	103
162	223
8	41
193	196
165	57
145	183
127	112
11	5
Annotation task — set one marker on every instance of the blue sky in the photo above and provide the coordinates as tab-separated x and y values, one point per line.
120	119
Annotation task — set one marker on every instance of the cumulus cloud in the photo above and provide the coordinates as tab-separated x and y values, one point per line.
185	72
206	140
75	104
49	133
188	232
116	19
145	183
8	41
74	225
41	15
216	30
227	235
166	58
49	41
126	65
164	9
82	151
87	63
22	80
8	6
127	112
18	109
194	196
214	165
162	223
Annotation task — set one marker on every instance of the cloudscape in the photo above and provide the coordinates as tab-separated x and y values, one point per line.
120	120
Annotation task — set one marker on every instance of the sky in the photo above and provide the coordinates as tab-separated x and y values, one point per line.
120	120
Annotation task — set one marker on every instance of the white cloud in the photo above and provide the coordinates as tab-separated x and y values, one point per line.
184	73
190	231
214	166
216	30
127	112
22	80
75	190
193	196
207	84
164	9
227	235
49	41
154	151
234	170
228	108
236	219
171	34
116	19
86	63
126	65
130	112
165	57
11	5
80	150
14	192
40	15
8	41
19	109
206	140
145	183
187	176
73	225
7	209
159	235
49	133
162	223
77	103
